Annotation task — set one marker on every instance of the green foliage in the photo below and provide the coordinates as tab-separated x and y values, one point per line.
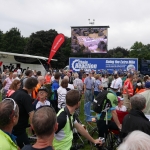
12	41
140	51
40	43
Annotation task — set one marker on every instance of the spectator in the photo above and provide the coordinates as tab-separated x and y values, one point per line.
15	76
70	78
105	81
28	74
19	72
104	122
139	87
24	101
38	74
63	74
40	80
70	86
145	79
44	126
55	86
1	82
128	91
48	78
62	94
4	75
77	83
146	94
9	114
97	85
88	88
119	80
83	77
6	84
120	106
136	140
53	77
34	74
136	119
42	96
80	74
110	78
64	134
13	87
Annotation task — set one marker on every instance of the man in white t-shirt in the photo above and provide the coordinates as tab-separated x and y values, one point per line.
19	72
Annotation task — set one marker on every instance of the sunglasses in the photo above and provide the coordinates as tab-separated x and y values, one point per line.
14	103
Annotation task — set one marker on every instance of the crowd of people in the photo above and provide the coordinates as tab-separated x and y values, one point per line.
32	100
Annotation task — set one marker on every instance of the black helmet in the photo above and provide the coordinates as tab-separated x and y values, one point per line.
43	88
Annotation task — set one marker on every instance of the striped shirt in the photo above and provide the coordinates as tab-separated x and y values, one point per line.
61	97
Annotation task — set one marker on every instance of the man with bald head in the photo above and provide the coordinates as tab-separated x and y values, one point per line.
44	126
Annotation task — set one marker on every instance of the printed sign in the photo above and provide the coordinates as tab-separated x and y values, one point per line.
109	64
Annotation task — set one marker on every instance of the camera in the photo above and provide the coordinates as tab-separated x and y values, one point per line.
102	139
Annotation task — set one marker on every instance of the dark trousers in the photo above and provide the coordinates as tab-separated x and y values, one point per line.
103	128
22	139
96	93
105	88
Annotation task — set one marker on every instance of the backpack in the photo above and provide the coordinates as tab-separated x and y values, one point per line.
101	103
21	86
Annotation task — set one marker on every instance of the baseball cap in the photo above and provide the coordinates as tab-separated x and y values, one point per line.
43	88
115	84
147	84
120	98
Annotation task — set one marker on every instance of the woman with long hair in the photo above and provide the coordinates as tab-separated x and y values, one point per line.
13	87
6	84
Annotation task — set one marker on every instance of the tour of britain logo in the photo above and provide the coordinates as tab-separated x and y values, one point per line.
78	64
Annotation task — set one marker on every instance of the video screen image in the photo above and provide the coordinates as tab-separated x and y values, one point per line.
89	39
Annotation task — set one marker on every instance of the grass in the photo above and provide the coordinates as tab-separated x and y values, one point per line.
82	119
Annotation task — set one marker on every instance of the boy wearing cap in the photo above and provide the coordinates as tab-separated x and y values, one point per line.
42	95
120	106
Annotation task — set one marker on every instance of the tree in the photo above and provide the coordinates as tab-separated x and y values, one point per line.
140	51
118	52
40	43
1	40
13	41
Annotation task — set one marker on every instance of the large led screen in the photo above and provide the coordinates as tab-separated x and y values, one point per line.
89	39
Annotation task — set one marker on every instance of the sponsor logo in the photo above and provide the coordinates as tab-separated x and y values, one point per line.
78	64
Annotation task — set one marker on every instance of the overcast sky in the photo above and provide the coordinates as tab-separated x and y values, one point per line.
129	20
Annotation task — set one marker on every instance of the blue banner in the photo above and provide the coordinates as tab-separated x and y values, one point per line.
100	64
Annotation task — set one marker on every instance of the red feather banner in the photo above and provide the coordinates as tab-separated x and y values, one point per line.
59	39
1	63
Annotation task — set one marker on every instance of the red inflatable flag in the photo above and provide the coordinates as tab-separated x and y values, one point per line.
59	39
1	63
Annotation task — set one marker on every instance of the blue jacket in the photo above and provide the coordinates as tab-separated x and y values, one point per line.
55	86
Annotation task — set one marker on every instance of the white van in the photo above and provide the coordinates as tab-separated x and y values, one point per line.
25	62
66	68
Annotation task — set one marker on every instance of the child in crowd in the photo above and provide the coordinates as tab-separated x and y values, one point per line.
42	96
120	106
